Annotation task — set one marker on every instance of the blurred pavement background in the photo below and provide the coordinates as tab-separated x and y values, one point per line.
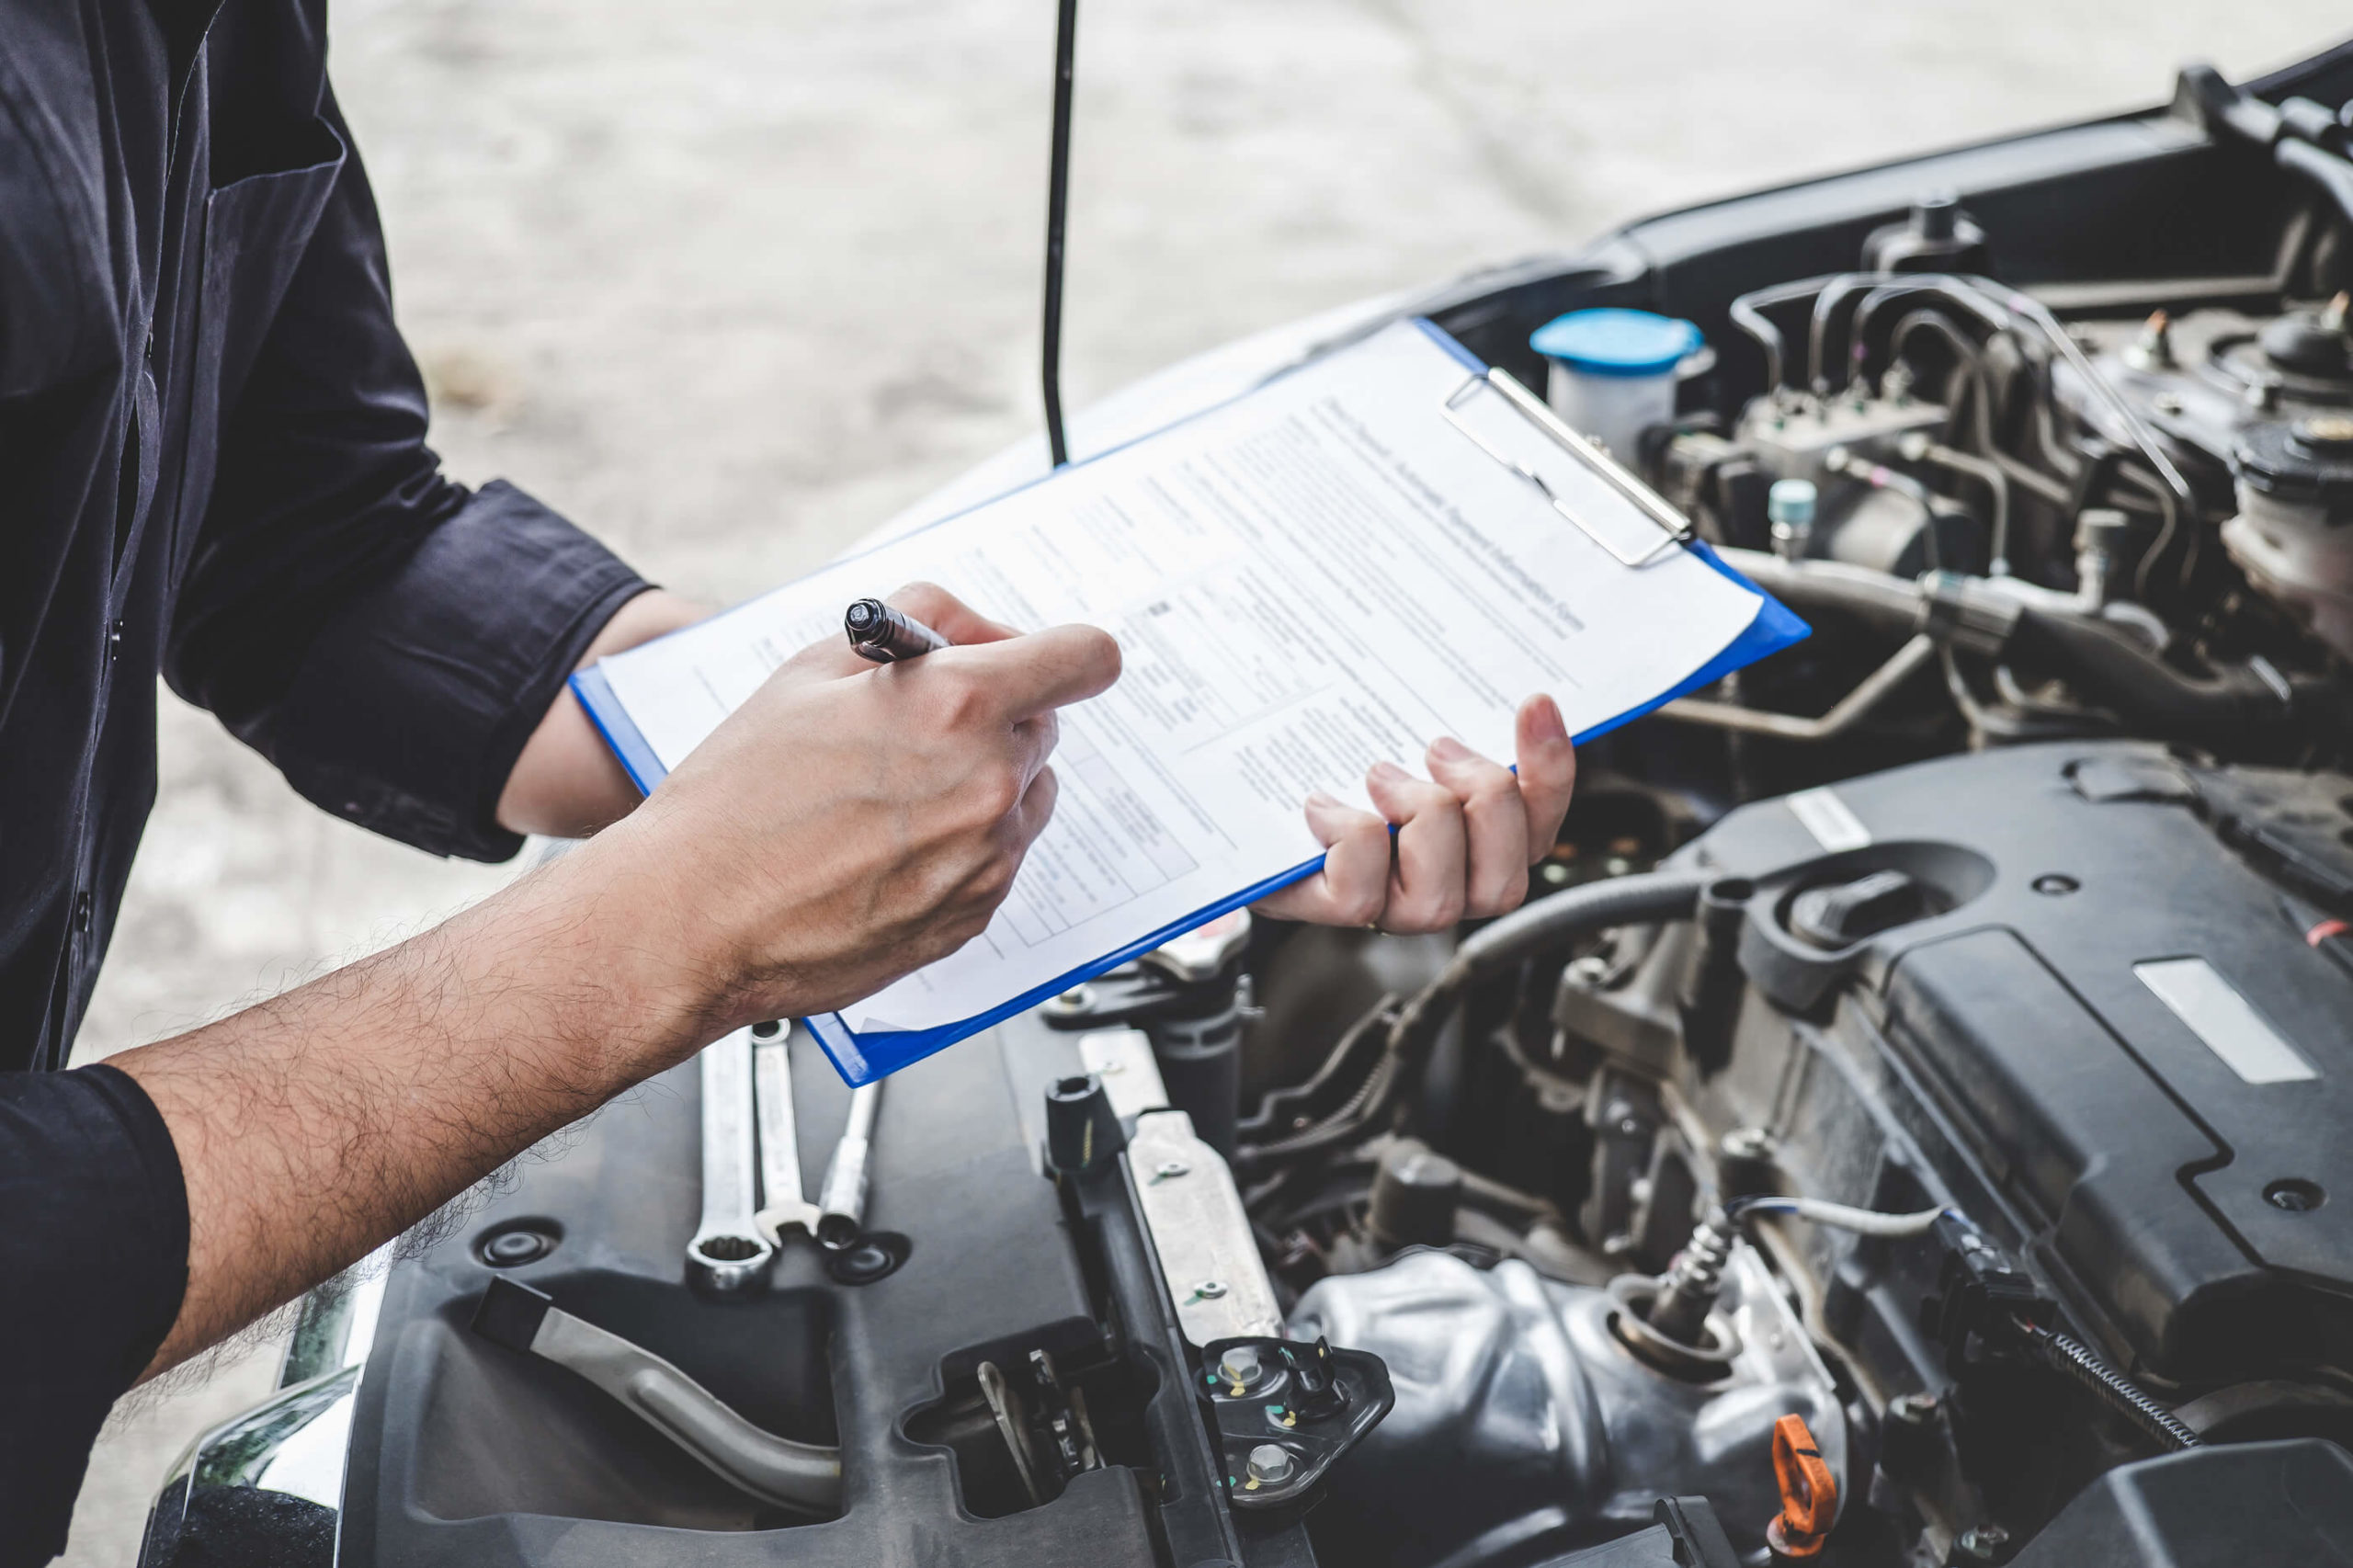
730	282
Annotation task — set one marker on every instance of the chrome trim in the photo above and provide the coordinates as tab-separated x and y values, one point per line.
297	1442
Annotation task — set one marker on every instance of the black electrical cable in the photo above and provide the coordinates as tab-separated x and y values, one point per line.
2076	1361
1057	209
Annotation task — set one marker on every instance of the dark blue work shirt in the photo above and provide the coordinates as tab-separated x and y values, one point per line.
213	463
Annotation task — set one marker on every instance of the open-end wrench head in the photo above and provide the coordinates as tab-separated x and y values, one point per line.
778	1217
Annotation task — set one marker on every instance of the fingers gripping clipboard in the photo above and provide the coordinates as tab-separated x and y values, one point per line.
1385	544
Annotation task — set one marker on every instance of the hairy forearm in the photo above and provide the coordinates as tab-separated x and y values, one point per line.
314	1126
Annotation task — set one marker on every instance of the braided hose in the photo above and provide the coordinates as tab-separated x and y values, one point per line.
2076	1360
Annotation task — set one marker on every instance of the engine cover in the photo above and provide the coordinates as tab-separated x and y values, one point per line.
2111	995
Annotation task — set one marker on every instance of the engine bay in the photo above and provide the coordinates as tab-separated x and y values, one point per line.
1906	1125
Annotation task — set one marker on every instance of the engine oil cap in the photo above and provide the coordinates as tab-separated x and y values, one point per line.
2309	459
1614	342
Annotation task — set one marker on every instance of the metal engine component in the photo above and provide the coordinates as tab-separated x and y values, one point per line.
1672	1322
2089	940
2261	410
1189	1202
1794	439
1863	514
1521	1404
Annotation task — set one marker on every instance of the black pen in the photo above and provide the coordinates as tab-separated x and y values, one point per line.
885	635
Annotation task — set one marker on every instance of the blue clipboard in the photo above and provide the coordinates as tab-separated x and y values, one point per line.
861	1059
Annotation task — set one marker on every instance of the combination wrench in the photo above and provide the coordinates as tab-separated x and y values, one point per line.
783	1207
728	1253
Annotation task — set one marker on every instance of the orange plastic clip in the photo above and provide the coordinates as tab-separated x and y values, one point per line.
1809	1492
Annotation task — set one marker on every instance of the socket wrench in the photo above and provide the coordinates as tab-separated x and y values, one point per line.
728	1255
782	1206
841	1201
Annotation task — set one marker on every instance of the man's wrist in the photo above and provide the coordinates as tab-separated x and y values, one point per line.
622	908
567	783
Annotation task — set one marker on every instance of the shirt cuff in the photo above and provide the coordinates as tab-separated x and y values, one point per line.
413	706
93	1268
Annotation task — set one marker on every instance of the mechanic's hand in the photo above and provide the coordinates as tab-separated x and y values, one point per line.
1465	836
854	822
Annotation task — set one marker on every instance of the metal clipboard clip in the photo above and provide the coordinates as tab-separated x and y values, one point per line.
1605	467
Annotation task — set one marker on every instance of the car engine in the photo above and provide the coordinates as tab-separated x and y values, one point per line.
1906	1125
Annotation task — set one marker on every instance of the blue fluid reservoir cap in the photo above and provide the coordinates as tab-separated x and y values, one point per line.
1612	341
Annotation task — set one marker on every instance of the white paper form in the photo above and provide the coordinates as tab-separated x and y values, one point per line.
1319	576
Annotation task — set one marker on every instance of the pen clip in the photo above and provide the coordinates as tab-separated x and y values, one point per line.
1604	467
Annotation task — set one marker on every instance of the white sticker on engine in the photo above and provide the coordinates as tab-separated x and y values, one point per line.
1833	825
2226	1021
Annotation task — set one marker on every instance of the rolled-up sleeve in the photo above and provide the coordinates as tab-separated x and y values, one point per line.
93	1266
387	637
406	714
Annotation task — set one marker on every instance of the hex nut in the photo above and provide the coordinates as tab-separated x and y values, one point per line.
1271	1464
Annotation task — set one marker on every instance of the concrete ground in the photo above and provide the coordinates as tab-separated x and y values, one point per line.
731	282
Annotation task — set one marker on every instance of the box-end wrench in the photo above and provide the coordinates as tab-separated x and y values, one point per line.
728	1255
841	1201
783	1207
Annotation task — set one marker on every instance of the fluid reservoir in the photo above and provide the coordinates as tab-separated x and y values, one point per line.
2294	536
1612	372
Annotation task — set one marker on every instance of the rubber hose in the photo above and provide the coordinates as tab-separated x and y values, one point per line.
2332	174
2075	1359
1886	603
1644	899
2112	668
2118	673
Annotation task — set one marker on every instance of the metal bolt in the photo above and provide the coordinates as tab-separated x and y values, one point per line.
1209	1289
1560	1099
1169	1170
1588	972
2334	431
1239	1364
1913	1409
1748	1144
510	1249
1271	1464
2295	1196
1984	1543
